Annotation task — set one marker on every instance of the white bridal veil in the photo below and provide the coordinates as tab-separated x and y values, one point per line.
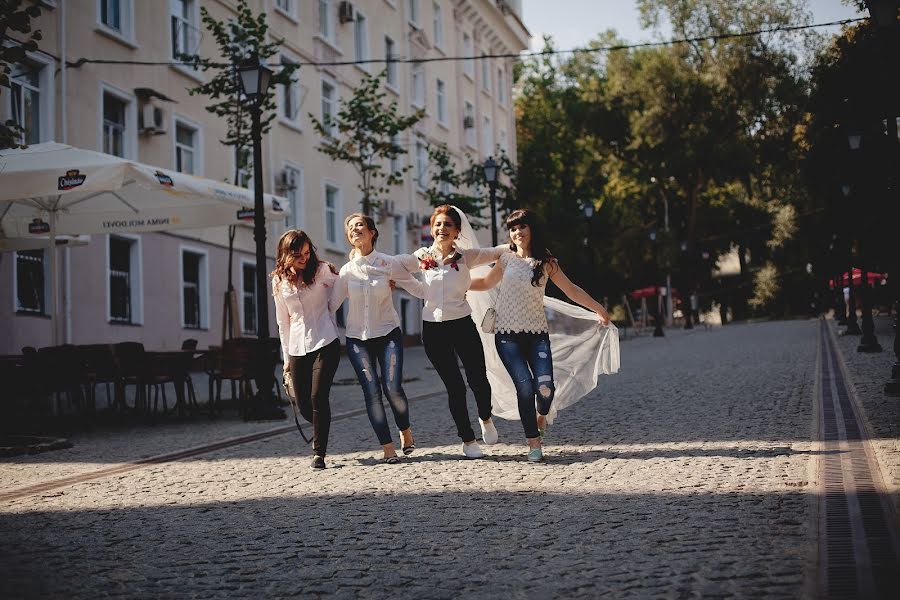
582	349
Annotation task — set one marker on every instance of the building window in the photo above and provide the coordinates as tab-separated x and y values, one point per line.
243	159
414	12
31	282
468	54
124	280
390	56
421	164
248	297
418	84
485	74
285	6
501	86
469	124
292	184
187	140
487	137
438	22
326	23
194	289
396	162
399	234
361	37
115	16
328	99
114	110
441	101
185	33
290	95
25	101
332	209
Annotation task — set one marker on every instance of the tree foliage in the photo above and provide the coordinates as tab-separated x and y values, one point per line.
238	39
15	18
364	134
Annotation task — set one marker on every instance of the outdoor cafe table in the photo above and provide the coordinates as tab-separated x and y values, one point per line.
176	364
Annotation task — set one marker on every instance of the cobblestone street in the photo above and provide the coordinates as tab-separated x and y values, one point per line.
690	473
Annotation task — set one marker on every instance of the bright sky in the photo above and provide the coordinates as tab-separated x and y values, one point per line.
573	23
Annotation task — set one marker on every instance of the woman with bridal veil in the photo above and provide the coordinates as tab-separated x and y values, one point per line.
542	354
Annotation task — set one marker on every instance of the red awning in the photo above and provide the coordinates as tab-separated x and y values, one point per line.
871	277
649	292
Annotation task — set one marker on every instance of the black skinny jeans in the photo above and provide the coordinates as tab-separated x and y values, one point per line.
312	375
445	341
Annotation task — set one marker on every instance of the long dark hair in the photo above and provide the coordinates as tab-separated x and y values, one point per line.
292	241
539	250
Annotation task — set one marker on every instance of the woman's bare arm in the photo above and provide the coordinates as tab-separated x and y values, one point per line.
576	294
481	284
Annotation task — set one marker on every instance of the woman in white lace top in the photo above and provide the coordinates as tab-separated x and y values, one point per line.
521	333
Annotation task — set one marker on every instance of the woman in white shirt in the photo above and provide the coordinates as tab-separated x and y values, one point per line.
521	331
373	331
302	285
448	332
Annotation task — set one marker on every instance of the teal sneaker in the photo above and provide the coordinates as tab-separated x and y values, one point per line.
535	455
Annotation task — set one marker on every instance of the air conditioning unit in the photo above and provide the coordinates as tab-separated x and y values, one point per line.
153	120
345	12
468	122
288	180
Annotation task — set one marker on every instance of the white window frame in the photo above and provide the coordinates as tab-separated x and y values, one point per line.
193	22
421	158
441	101
247	261
296	199
325	30
126	15
487	135
399	234
48	301
396	164
361	38
295	92
47	91
469	134
290	11
203	285
417	84
437	22
414	8
198	143
338	211
333	103
249	172
468	56
486	83
129	138
137	280
390	51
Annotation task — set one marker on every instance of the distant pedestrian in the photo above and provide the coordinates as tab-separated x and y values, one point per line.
522	334
448	332
374	339
301	286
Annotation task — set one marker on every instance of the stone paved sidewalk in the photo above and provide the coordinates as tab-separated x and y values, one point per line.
687	474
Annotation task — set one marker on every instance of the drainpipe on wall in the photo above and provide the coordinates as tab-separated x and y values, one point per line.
63	138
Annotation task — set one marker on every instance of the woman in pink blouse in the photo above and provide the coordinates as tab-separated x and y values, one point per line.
301	285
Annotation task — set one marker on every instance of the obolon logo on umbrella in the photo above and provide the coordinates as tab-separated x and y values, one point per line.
164	179
71	180
38	225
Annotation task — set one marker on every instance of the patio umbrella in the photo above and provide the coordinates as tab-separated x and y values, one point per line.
49	190
36	243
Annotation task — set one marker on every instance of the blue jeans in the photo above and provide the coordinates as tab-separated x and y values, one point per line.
387	352
528	361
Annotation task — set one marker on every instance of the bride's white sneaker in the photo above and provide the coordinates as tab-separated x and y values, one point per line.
488	432
472	450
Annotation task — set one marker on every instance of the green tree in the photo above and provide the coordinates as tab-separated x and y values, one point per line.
238	39
364	134
14	18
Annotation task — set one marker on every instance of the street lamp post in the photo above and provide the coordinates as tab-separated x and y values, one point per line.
588	209
490	175
254	77
852	324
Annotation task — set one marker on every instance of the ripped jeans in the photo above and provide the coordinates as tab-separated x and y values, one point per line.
387	352
529	362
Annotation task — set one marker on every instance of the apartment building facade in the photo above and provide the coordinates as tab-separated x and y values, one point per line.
161	288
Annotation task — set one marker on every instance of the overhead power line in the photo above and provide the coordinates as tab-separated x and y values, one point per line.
597	49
